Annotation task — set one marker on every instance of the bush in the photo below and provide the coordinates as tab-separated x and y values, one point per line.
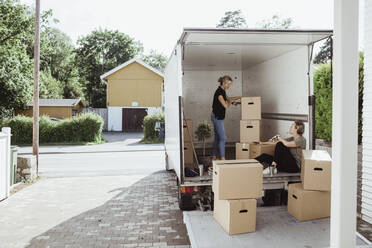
83	128
149	132
323	101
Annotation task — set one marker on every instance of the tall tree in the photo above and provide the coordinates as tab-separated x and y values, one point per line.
232	19
156	60
276	22
99	52
324	55
15	65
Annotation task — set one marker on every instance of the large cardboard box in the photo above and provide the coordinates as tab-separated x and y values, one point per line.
236	216
308	204
237	179
250	131
256	150
242	151
316	170
188	153
187	131
251	108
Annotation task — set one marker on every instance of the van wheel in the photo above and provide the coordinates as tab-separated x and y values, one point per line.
185	201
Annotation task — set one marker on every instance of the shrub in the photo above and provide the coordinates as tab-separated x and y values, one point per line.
323	101
203	132
83	128
149	132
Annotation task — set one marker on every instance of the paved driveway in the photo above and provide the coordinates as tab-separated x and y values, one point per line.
111	195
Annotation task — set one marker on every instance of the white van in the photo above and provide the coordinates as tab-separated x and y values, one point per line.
273	64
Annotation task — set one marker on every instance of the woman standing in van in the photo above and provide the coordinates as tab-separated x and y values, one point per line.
220	103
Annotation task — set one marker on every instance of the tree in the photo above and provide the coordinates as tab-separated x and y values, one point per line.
324	54
16	67
203	132
156	60
99	52
232	19
276	22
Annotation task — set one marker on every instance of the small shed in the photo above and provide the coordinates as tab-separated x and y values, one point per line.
56	108
134	89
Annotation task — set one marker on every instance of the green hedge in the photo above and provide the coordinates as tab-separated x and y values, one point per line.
150	135
83	128
323	100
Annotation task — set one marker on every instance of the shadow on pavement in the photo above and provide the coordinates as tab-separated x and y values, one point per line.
144	214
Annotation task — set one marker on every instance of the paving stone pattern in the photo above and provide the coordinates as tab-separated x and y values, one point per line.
143	215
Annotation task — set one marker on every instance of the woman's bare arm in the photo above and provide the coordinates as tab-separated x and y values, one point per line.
224	103
287	143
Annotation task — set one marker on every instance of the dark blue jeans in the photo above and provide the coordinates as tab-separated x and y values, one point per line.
219	136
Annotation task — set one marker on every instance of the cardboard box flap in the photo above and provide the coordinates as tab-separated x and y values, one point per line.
316	155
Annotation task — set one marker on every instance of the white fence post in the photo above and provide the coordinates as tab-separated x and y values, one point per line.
5	136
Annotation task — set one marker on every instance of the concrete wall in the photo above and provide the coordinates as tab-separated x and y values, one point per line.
283	85
134	83
198	89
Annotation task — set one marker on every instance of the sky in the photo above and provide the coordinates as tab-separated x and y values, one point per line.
159	24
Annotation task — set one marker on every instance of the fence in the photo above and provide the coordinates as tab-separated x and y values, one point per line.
4	162
101	112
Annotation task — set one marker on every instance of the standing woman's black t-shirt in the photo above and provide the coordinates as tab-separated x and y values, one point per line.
218	109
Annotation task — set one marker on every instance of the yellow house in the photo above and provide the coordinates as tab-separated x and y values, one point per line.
134	89
56	108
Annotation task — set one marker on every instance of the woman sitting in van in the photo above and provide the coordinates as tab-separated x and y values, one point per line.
288	152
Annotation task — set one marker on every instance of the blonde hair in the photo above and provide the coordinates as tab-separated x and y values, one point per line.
224	79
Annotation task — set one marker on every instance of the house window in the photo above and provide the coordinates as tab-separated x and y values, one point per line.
74	112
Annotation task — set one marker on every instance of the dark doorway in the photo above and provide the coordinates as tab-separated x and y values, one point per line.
132	119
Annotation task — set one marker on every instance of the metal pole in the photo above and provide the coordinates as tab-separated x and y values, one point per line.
35	140
345	124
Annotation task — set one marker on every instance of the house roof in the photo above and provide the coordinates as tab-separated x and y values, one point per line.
138	60
57	102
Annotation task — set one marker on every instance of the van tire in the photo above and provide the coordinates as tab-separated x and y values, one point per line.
185	201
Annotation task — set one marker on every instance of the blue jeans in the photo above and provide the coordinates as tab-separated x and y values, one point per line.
219	136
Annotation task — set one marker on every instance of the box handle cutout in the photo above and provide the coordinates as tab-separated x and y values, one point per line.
243	211
215	172
249	126
318	169
245	150
294	196
185	148
184	126
250	103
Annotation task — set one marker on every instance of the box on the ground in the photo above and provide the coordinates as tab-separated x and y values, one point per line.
251	108
308	204
236	216
258	149
316	170
187	131
188	153
242	151
237	179
250	131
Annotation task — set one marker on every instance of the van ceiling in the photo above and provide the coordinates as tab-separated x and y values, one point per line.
232	49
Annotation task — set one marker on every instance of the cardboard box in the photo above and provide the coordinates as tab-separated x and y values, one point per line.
242	151
187	135
256	150
308	204
237	179
250	131
251	108
236	216
188	154
316	170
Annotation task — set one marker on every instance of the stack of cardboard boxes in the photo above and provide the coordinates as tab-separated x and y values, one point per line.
236	186
311	199
187	146
250	130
